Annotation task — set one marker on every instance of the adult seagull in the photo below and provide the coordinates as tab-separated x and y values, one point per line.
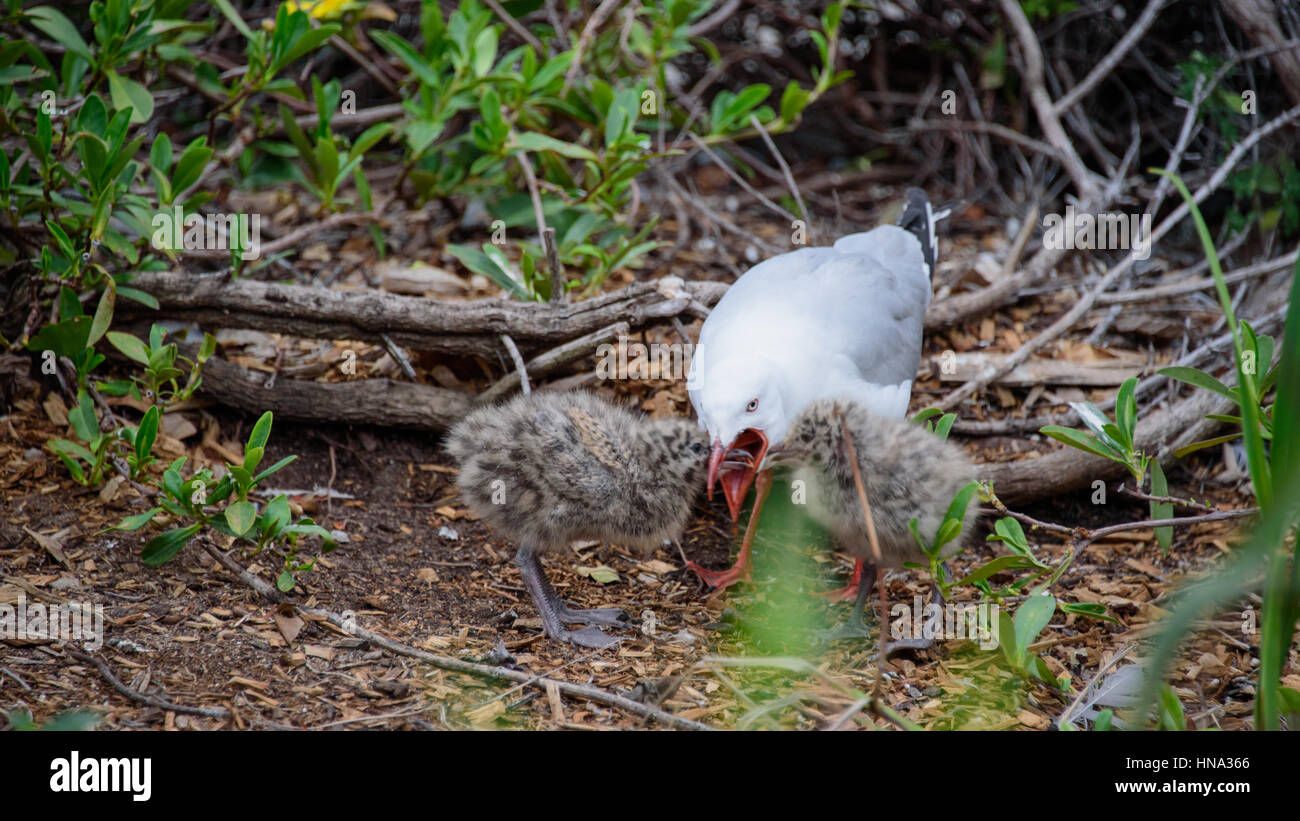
816	323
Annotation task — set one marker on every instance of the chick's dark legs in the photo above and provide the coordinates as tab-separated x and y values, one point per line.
555	612
857	625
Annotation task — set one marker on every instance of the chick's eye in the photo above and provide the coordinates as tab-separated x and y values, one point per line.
696	447
752	406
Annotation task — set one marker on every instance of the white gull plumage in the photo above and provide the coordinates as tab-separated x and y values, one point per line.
815	323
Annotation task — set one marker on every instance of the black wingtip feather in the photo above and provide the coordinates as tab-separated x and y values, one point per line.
919	219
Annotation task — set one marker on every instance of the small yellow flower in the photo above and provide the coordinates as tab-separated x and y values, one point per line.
321	9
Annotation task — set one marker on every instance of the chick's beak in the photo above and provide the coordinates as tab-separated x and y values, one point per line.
736	481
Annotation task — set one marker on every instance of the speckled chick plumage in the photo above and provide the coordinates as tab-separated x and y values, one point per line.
552	468
907	472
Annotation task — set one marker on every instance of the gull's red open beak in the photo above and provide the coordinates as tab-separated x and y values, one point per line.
736	483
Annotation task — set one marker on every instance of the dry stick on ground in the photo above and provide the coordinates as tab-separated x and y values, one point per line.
1176	156
398	356
1124	490
949	311
455	665
519	364
996	129
136	695
785	172
555	358
1086	301
371	402
1268	266
466	328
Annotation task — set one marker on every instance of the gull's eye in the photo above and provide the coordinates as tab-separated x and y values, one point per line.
752	406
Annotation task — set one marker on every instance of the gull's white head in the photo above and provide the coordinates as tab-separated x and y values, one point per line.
740	401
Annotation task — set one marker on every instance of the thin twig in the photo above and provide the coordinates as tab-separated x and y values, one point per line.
555	358
594	22
1124	490
517	27
1085	302
399	357
1112	58
519	363
785	172
996	129
739	180
136	695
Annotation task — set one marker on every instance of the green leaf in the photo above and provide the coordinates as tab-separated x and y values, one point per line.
481	263
146	434
739	107
83	418
485	51
130	346
163	547
273	468
793	101
137	521
1010	532
1032	616
994	567
103	314
1161	510
127	93
240	517
1200	379
403	50
1093	610
60	28
1082	441
284	582
1204	443
532	141
1126	411
260	433
277	515
233	16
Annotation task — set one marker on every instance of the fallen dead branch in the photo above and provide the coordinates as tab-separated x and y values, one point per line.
367	402
466	328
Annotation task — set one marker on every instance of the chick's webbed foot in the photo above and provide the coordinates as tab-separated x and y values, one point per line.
555	613
607	616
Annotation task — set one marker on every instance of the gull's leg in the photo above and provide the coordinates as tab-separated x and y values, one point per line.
850	590
549	606
741	569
